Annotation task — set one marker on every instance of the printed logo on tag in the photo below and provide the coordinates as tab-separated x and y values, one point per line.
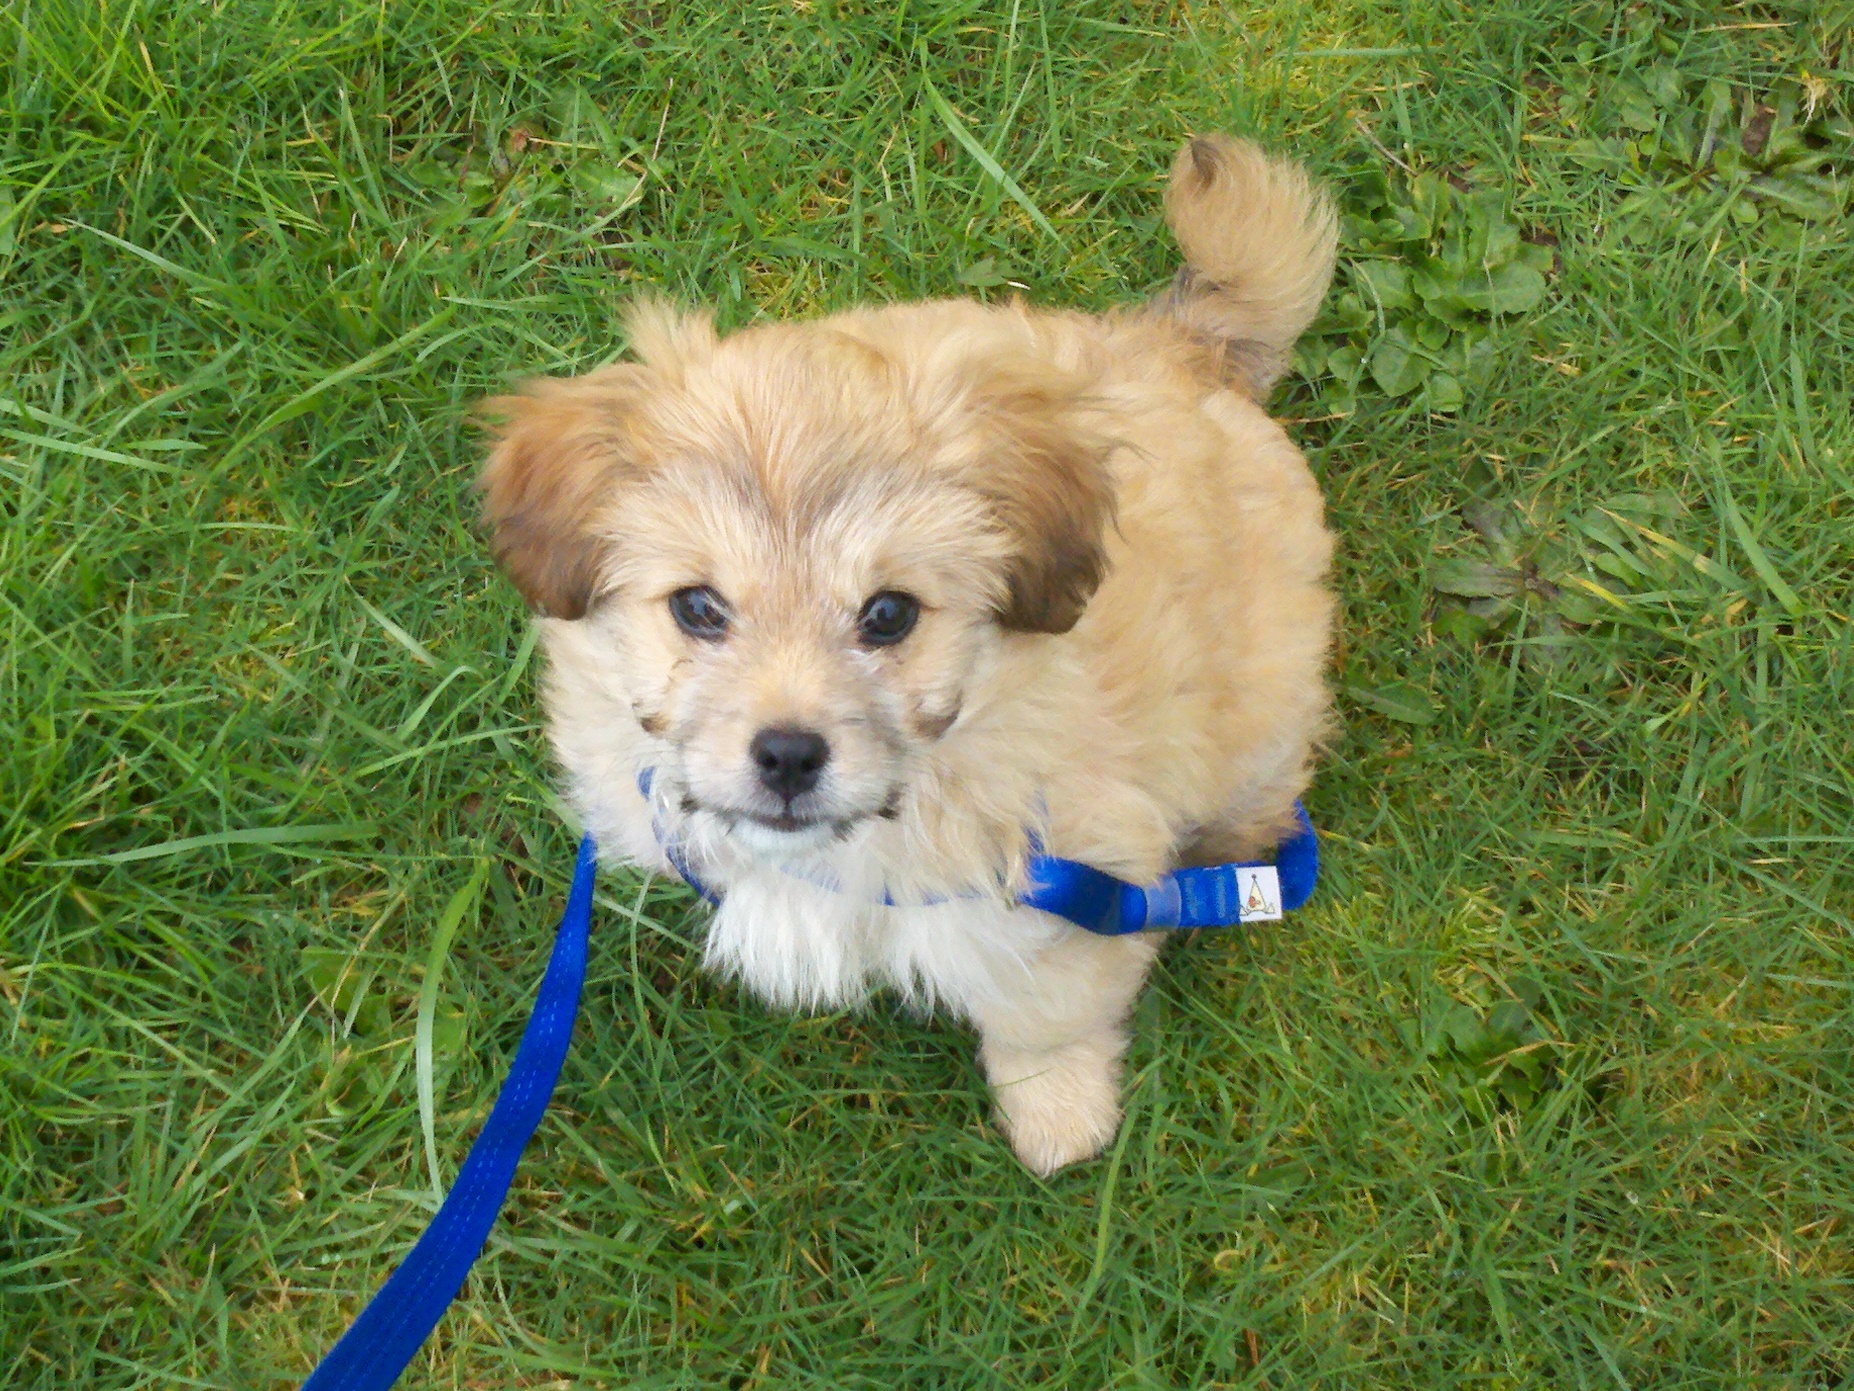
1258	894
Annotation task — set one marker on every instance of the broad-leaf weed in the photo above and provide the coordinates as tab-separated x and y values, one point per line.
1694	152
1429	268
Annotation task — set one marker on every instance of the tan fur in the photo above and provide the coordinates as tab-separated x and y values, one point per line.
562	446
1121	564
1258	241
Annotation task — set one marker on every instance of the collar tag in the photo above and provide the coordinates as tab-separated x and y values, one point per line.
1258	894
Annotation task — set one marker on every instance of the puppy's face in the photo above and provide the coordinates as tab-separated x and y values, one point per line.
794	655
795	550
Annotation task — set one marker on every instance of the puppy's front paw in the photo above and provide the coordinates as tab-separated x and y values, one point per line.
1058	1107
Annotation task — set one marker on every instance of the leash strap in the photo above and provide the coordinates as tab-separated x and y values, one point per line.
390	1330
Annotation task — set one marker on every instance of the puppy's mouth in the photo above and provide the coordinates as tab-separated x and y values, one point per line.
813	829
786	821
789	829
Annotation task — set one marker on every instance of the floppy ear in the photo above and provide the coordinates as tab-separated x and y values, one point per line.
1047	482
560	447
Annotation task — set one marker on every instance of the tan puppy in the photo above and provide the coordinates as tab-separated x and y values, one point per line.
872	601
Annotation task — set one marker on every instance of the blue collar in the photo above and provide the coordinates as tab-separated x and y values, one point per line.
1213	896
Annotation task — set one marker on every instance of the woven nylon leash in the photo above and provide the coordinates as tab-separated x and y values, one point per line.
390	1330
386	1336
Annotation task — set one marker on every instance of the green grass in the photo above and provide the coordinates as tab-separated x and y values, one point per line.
267	710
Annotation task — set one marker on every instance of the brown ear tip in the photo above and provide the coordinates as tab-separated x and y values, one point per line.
555	580
1206	158
1051	598
567	609
1046	621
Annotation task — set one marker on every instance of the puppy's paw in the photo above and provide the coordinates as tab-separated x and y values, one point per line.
1059	1107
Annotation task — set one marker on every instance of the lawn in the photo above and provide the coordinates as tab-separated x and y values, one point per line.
1551	1083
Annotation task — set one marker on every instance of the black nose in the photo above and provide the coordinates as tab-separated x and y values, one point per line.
789	759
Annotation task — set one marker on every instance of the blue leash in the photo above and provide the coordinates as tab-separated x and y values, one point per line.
389	1331
393	1326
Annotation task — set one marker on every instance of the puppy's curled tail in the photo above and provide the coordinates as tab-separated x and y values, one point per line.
1258	238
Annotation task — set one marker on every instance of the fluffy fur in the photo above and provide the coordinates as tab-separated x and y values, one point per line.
1120	561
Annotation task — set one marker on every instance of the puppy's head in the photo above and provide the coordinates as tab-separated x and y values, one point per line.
798	547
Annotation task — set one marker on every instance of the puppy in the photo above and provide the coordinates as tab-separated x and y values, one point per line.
847	619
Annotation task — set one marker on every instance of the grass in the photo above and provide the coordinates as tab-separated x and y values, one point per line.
268	712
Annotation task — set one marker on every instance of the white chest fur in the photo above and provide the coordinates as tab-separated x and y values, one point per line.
801	945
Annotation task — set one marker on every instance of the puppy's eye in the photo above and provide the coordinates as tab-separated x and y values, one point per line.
887	618
699	612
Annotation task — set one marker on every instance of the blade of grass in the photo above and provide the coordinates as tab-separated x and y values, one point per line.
266	835
1110	1184
454	912
969	142
1748	542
